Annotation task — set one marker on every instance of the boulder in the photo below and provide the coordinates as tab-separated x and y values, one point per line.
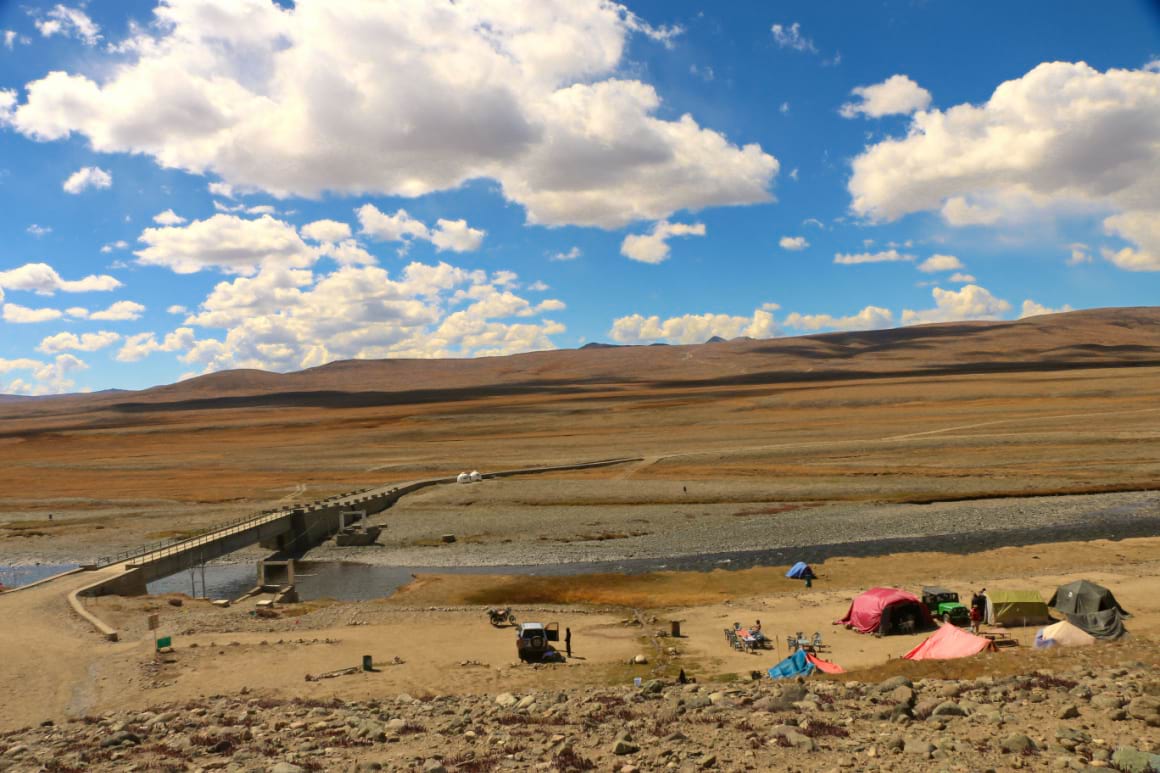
1018	744
948	709
506	699
1145	708
1131	760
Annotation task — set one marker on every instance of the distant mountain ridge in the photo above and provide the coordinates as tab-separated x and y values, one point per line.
1116	337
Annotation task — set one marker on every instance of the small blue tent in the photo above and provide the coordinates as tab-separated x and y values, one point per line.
796	664
800	571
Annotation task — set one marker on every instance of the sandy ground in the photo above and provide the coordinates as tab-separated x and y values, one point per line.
55	667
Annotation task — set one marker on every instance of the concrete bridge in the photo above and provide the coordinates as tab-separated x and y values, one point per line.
292	530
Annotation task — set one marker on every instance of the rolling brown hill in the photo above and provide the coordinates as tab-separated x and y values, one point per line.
1114	337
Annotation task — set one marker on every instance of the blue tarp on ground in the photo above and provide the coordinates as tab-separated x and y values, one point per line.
796	664
800	571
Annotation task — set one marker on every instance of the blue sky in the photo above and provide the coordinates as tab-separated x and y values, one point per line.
200	185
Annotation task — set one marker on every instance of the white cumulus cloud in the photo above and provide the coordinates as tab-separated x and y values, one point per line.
691	328
52	377
326	231
43	279
228	243
937	263
793	243
1061	138
168	217
456	236
1033	309
86	342
141	345
869	318
968	302
87	177
119	311
22	315
897	95
653	247
403	99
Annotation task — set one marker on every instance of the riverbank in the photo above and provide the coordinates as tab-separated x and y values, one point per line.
573	526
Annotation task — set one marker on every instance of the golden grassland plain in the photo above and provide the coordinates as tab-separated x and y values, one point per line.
1067	404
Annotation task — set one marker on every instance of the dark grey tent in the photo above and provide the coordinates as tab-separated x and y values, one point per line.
1090	607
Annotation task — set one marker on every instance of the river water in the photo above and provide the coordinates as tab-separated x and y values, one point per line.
351	581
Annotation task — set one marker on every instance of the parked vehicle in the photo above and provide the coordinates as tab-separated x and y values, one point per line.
945	605
498	617
534	641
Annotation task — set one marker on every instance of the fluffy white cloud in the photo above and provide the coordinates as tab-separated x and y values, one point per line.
937	263
177	309
453	235
404	98
968	302
958	276
22	315
87	177
168	217
120	244
119	311
1033	309
43	279
399	227
884	256
1141	227
691	328
69	22
869	318
47	377
326	231
958	211
141	345
791	37
39	230
456	235
897	95
284	318
226	242
1062	137
793	243
653	247
86	342
571	254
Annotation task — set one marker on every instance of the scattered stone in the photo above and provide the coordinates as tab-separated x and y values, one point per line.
1018	744
1132	760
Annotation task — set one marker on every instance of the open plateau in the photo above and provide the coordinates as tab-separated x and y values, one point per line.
1018	456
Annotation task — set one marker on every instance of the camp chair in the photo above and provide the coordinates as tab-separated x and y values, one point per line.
816	642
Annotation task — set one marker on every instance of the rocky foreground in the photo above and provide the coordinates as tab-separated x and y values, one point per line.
1085	717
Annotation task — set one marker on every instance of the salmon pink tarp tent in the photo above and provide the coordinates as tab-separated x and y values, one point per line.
867	612
950	642
825	666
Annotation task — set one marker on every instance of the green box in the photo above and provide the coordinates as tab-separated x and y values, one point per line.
164	641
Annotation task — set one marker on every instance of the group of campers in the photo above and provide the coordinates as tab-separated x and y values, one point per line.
1084	613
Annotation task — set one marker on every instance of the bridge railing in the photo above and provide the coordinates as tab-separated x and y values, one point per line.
170	547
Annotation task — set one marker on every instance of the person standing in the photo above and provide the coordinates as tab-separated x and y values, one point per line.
568	641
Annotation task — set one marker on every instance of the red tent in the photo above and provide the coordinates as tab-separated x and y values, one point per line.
950	642
868	611
825	666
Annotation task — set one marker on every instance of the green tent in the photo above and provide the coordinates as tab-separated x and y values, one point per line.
1091	607
1012	608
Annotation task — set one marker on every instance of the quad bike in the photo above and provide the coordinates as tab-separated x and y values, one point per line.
498	617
